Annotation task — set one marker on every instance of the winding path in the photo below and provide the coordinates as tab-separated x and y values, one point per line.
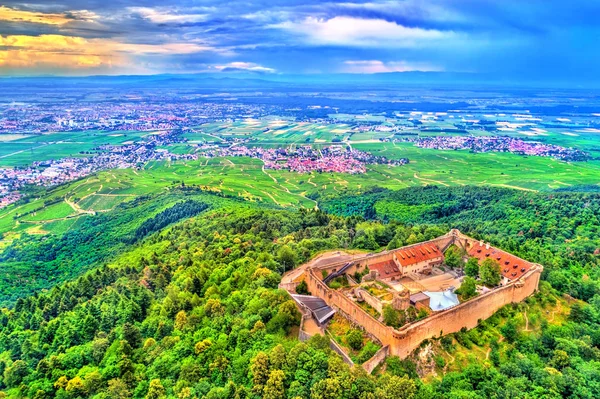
77	208
416	176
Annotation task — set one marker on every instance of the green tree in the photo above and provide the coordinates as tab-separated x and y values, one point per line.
76	386
286	257
423	313
132	335
412	239
393	317
509	330
117	389
560	359
328	388
155	390
274	389
15	374
472	268
495	352
277	357
181	320
394	387
93	381
354	338
259	368
453	257
399	367
302	288
490	273
468	288
578	313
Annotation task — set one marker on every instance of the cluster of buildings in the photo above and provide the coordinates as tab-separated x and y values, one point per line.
306	159
336	164
54	172
32	117
500	144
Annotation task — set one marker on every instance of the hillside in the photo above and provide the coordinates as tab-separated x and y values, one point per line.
33	262
193	310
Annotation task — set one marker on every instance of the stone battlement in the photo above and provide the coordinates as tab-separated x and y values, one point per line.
403	341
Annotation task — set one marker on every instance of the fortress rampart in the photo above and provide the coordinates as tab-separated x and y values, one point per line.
360	263
402	342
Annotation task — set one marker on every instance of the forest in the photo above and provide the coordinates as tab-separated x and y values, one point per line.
192	310
34	262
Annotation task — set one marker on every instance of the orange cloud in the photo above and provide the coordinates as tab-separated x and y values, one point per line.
43	42
52	51
77	53
23	54
12	15
20	60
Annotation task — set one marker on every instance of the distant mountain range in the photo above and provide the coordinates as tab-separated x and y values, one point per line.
251	80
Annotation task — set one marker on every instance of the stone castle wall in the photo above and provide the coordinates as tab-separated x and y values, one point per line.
404	341
365	260
376	360
467	314
371	300
347	307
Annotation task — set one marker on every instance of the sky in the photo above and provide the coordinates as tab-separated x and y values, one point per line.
557	39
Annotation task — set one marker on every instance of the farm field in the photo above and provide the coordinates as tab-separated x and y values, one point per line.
273	131
448	167
346	128
25	149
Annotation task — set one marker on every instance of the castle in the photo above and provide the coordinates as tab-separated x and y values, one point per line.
411	276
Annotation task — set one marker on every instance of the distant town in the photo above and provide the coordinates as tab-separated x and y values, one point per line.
501	144
54	172
306	159
130	115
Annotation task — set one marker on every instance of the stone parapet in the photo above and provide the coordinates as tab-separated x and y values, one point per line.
404	341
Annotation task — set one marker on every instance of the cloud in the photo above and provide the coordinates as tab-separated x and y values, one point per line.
83	15
13	15
244	67
376	66
298	36
166	15
78	53
54	51
166	48
359	32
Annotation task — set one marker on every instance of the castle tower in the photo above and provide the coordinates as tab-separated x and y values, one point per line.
401	300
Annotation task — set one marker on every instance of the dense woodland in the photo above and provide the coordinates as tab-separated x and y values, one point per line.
193	310
35	262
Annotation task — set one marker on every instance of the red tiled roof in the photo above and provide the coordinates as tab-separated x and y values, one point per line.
417	254
511	266
386	269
